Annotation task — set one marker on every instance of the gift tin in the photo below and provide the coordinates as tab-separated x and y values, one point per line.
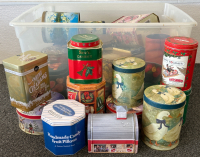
187	93
91	95
128	81
30	122
162	116
58	68
64	127
28	79
107	134
85	59
179	61
59	36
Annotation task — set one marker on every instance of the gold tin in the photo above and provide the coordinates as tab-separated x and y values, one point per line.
28	79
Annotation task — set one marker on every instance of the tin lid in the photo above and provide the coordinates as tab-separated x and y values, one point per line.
85	40
164	97
36	113
179	42
24	60
128	65
63	113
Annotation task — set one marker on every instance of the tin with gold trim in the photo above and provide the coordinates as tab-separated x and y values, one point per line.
162	117
28	79
85	59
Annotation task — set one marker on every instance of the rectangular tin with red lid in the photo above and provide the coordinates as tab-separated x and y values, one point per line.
179	61
85	59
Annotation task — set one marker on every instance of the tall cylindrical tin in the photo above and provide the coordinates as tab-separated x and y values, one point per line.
187	93
179	61
128	81
85	59
162	116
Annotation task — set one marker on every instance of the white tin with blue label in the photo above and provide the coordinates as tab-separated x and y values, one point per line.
64	127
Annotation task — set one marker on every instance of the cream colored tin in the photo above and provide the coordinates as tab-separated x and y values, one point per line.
128	81
28	79
162	116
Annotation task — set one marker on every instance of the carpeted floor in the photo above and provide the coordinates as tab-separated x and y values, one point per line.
14	142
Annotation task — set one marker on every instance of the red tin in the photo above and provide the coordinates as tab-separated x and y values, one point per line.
179	61
85	59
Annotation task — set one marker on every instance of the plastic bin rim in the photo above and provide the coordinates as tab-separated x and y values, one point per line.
15	22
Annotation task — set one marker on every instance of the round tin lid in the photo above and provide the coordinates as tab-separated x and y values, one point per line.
85	40
164	97
179	42
128	65
63	113
36	113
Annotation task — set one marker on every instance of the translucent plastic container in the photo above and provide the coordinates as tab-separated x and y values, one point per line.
173	22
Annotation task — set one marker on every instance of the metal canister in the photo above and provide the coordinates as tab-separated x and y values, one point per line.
128	81
64	127
28	79
162	116
179	61
30	122
59	35
85	59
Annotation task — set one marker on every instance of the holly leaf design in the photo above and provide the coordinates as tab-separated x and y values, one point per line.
90	72
190	56
87	72
90	68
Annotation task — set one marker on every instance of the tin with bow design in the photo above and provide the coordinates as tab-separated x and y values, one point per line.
85	59
162	117
28	79
128	81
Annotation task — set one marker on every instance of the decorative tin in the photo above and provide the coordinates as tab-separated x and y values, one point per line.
162	116
28	79
128	81
107	134
179	61
30	122
187	93
58	67
85	59
59	35
64	127
91	95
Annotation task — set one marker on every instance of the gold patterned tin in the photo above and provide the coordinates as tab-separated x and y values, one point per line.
28	79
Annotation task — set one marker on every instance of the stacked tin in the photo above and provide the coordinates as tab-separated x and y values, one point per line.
85	82
178	64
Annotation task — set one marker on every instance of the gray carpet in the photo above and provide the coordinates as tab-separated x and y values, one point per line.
14	142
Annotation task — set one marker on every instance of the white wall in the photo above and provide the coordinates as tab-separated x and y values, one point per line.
9	44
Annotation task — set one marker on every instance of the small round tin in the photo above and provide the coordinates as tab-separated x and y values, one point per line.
128	81
162	116
30	122
85	59
179	61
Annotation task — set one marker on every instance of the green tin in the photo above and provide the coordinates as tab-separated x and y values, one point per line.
162	117
187	93
85	59
128	81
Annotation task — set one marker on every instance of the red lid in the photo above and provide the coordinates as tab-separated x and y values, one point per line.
179	42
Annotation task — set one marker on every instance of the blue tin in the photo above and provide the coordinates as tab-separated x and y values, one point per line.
64	127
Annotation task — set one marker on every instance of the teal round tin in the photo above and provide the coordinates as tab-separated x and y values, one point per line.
162	117
128	81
